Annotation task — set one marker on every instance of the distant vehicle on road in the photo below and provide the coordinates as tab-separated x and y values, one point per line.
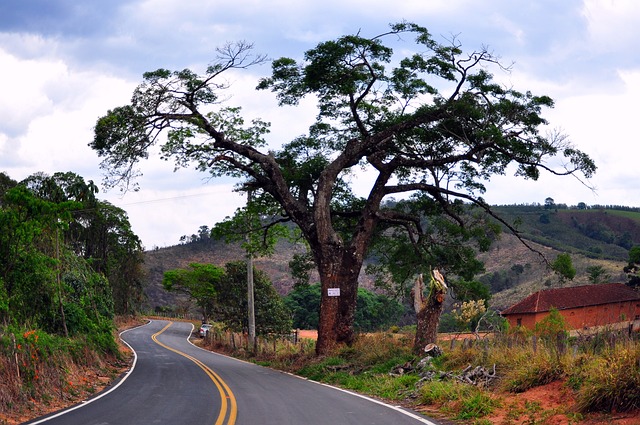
204	330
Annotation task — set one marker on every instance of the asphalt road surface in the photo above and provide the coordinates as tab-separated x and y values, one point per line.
174	382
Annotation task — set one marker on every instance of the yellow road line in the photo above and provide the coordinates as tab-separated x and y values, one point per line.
226	395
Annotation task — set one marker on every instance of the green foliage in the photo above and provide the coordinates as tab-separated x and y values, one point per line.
634	255
53	215
464	402
300	267
609	382
449	246
271	315
58	257
597	274
374	311
112	248
304	304
552	326
200	282
222	295
253	228
633	268
563	266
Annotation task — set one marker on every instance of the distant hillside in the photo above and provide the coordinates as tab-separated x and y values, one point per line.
595	233
593	237
159	260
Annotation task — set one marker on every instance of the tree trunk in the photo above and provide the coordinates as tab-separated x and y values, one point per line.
339	286
428	309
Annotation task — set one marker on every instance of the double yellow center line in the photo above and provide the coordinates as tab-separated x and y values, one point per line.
228	405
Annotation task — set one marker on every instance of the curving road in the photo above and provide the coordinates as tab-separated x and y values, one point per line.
174	382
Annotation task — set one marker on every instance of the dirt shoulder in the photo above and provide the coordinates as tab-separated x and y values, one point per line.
82	382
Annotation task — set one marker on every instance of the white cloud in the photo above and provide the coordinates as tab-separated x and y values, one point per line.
54	87
23	94
48	113
603	126
612	24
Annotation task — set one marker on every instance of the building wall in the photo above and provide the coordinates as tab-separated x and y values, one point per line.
584	317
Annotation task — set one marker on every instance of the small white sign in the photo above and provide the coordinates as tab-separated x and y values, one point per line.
333	292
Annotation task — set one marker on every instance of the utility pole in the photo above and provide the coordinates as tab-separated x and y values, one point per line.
64	320
250	292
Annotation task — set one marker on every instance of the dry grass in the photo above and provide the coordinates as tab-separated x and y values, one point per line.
40	373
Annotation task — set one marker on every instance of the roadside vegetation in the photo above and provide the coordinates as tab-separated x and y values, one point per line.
42	372
68	264
593	378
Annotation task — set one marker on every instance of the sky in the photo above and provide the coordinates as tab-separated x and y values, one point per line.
65	63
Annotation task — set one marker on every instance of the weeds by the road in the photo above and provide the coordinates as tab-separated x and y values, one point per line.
590	375
40	372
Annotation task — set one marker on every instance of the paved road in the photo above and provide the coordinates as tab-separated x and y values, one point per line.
173	382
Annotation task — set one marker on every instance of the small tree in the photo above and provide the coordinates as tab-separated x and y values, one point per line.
563	266
271	314
633	267
597	273
551	326
199	281
549	204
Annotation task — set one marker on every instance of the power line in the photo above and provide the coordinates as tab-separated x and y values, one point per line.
147	201
169	199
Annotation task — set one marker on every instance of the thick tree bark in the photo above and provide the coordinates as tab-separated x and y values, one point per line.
339	285
428	309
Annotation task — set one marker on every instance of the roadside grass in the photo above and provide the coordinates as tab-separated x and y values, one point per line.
610	381
458	400
601	377
38	369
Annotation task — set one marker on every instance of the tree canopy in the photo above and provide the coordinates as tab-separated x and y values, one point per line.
52	276
432	126
222	295
199	281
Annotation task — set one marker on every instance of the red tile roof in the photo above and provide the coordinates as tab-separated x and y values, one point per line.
573	297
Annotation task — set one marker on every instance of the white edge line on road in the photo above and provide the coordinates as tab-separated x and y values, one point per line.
373	400
98	397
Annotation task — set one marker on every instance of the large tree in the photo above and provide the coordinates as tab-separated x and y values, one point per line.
99	232
433	124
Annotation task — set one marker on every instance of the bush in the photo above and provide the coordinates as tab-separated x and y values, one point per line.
532	371
35	365
611	382
463	401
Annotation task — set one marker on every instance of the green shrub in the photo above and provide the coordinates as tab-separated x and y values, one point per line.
464	402
611	382
476	406
532	371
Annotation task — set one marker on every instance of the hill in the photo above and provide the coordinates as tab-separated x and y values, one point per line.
593	237
595	232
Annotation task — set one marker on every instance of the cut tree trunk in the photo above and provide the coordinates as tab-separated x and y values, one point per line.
428	309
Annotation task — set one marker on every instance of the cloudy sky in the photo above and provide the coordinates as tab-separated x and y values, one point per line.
64	63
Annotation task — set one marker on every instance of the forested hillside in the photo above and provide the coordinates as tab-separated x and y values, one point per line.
598	240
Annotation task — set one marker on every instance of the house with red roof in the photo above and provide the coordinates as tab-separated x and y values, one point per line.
582	307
